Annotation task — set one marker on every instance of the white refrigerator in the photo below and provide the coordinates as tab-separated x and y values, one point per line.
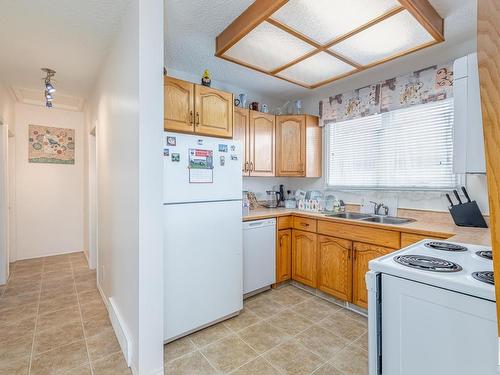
203	232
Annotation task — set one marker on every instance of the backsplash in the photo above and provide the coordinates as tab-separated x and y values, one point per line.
419	200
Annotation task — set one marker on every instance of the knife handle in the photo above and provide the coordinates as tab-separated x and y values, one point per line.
449	199
466	194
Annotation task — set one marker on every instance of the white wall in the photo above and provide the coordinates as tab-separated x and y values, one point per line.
127	105
252	96
49	197
6	122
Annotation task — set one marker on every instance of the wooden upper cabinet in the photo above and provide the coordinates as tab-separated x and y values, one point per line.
284	255
178	105
299	146
241	132
214	112
304	257
335	267
290	145
314	147
261	144
363	253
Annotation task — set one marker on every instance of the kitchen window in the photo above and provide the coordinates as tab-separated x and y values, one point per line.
410	148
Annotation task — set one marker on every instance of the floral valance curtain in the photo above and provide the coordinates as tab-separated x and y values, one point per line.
422	86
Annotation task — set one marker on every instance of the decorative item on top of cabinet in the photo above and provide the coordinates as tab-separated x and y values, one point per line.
261	144
363	253
299	144
304	257
190	108
241	132
178	105
284	255
335	267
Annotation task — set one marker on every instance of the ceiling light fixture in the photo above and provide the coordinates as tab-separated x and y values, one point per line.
314	42
49	87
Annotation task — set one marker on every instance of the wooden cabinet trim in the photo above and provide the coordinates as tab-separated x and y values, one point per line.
408	239
256	151
173	104
296	146
284	255
305	224
202	128
241	132
306	271
382	237
363	253
285	222
335	271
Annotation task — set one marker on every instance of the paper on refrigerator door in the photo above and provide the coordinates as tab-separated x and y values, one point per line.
201	166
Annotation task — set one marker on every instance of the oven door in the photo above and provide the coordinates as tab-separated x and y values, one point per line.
434	331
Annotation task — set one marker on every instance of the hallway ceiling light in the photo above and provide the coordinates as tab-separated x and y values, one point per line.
315	42
49	87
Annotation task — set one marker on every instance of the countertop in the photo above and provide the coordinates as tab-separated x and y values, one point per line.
427	223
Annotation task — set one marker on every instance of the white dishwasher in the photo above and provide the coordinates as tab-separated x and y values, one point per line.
259	254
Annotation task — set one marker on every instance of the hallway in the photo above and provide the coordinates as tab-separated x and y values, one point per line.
53	320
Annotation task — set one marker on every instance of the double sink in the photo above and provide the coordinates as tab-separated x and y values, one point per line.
372	218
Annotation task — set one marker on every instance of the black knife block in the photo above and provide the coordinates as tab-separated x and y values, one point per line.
467	215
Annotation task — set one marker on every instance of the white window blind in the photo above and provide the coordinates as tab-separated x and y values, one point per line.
410	148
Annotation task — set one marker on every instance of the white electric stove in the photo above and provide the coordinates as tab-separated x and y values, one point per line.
432	311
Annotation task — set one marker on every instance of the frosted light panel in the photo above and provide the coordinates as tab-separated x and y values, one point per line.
324	20
390	37
268	47
315	69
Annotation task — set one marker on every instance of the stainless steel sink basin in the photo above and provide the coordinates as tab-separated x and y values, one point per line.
388	219
350	215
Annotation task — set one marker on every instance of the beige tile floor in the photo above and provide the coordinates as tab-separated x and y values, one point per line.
283	331
53	320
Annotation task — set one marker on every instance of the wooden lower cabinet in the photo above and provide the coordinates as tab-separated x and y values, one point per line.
284	255
304	257
335	267
363	253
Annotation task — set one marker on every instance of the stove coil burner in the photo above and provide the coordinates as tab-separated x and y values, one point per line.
484	276
485	254
445	246
427	263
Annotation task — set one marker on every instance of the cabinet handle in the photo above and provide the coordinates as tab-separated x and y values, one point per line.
191	119
251	166
246	166
197	119
304	224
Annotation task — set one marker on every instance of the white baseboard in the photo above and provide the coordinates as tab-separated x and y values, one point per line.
47	255
120	329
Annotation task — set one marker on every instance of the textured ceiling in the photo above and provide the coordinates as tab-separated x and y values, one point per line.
192	25
71	37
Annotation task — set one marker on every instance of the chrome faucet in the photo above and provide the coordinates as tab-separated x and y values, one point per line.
378	206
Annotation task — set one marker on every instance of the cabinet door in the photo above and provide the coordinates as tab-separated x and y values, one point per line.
240	133
363	253
335	267
290	145
284	255
304	259
178	105
262	144
214	112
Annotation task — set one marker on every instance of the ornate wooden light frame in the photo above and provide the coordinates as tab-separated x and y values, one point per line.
262	10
